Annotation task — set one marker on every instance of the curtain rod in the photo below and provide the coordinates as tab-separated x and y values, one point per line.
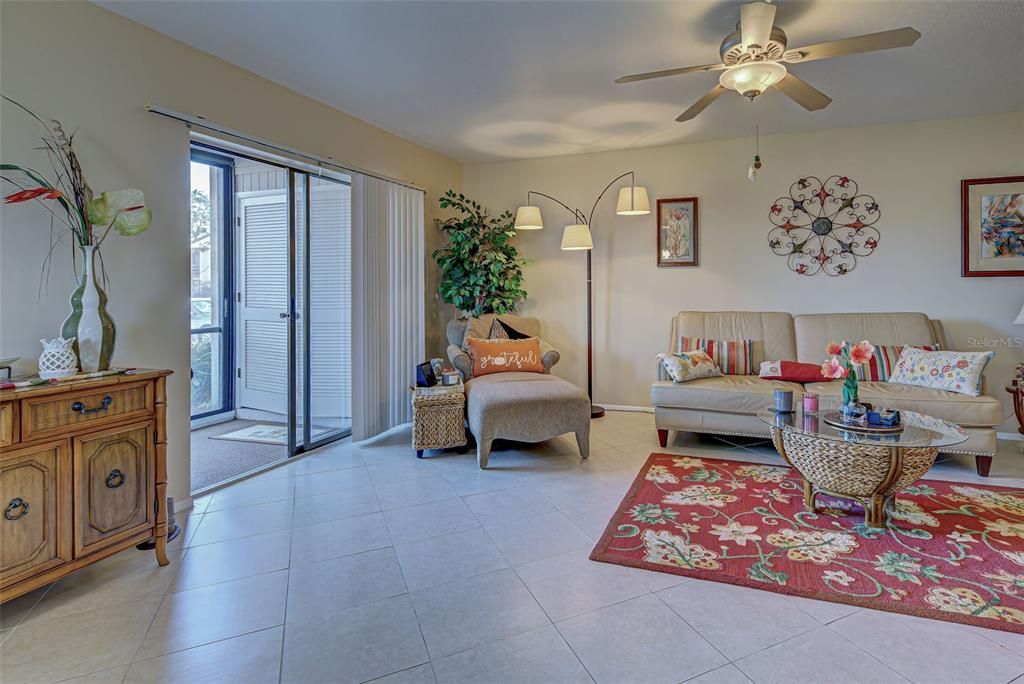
202	122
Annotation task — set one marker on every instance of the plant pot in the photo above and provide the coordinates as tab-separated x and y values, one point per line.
89	321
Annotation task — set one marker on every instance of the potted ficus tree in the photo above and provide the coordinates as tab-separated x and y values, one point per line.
481	271
64	192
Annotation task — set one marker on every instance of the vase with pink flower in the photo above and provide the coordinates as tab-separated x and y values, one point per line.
844	358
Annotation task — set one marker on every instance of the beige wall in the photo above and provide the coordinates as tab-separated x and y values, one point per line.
913	170
95	71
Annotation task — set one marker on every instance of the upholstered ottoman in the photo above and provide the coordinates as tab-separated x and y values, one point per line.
525	407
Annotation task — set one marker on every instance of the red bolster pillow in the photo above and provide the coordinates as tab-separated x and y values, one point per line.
792	371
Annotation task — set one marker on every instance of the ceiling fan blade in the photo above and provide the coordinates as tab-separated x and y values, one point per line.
702	104
884	40
756	21
803	93
670	72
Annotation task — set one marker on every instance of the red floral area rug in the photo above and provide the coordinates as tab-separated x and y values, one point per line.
949	551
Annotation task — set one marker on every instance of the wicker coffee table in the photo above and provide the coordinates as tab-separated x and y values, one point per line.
869	468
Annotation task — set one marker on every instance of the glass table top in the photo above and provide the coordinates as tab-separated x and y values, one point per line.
918	430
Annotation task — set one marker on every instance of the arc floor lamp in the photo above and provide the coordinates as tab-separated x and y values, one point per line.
633	201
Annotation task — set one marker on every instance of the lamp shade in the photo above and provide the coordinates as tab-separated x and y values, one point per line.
1020	317
633	201
577	236
750	79
528	218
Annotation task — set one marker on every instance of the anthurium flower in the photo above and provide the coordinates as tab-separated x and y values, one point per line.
861	352
124	210
833	369
31	194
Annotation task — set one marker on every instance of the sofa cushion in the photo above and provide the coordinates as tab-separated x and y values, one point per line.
964	410
730	393
815	331
772	332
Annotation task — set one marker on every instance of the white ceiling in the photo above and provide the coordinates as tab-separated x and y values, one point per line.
493	80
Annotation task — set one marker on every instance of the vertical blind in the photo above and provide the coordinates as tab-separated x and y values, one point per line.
387	304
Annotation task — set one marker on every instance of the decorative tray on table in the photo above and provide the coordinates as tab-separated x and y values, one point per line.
835	420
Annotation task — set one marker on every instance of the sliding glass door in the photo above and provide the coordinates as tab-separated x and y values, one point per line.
271	311
210	305
322	351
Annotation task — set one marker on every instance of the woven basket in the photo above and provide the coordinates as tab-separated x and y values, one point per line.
851	468
438	421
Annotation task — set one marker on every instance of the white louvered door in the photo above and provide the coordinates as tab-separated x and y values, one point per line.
263	289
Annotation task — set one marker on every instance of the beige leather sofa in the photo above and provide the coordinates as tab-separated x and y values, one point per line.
729	404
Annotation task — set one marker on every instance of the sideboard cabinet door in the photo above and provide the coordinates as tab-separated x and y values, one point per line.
34	510
114	492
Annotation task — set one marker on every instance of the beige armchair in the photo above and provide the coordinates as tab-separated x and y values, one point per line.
481	328
525	407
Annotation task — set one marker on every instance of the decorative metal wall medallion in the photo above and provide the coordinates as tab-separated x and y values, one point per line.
824	227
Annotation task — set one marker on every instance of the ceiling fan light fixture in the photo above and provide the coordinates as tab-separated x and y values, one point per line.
752	78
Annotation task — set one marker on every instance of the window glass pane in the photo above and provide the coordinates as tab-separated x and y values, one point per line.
207	211
206	372
330	298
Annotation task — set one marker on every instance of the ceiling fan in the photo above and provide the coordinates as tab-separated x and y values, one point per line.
753	58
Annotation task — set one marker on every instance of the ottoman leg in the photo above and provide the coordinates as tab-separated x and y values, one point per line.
662	437
483	452
583	441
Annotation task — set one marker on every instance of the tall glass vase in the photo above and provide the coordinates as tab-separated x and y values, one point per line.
850	387
89	321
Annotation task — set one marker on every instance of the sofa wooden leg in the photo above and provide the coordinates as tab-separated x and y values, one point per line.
983	464
662	437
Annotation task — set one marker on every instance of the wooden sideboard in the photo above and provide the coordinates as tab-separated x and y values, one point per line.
83	475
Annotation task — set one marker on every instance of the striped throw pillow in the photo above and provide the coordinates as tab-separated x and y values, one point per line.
883	363
734	357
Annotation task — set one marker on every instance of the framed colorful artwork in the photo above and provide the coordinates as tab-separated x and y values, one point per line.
677	231
992	216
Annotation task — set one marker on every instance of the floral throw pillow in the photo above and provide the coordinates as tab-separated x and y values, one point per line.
881	364
952	371
687	366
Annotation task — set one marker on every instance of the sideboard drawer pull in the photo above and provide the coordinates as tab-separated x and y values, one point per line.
79	407
116	478
14	505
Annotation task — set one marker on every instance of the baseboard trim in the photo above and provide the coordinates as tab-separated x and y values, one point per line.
626	407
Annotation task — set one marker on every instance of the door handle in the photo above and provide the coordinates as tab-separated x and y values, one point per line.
287	315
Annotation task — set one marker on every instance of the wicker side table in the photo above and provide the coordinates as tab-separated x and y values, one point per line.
438	417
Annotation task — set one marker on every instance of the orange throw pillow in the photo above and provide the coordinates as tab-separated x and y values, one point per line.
505	356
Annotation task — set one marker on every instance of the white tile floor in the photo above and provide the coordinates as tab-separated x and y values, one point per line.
361	563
